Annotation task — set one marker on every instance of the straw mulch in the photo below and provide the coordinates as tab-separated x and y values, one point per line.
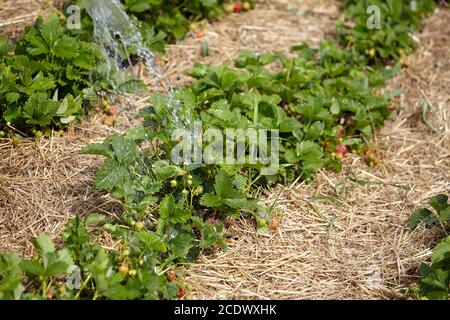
350	243
15	15
275	26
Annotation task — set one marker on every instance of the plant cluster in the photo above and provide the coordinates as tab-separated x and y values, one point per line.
140	268
391	39
50	78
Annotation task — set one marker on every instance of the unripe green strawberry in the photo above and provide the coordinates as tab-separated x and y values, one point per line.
139	226
132	273
262	223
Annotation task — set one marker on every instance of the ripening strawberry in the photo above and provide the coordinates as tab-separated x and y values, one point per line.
340	133
237	7
341	151
200	34
114	111
275	223
229	8
123	269
246	6
171	275
325	145
212	220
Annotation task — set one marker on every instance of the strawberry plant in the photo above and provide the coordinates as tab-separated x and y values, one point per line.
423	215
435	278
311	99
50	76
392	38
136	270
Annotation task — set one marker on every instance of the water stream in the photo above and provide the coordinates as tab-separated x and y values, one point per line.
118	37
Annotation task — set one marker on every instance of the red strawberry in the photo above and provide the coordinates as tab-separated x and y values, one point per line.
181	293
237	7
341	151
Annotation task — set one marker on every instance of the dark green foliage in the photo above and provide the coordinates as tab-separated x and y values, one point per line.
398	19
435	278
50	78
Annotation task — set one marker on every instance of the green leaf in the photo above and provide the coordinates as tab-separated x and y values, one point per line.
39	110
224	186
5	46
439	202
33	268
211	200
164	170
181	244
442	251
44	244
58	263
212	235
51	30
66	47
152	241
444	215
170	211
111	175
11	287
95	219
37	46
421	216
99	149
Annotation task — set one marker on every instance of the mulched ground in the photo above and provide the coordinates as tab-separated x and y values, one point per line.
354	244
